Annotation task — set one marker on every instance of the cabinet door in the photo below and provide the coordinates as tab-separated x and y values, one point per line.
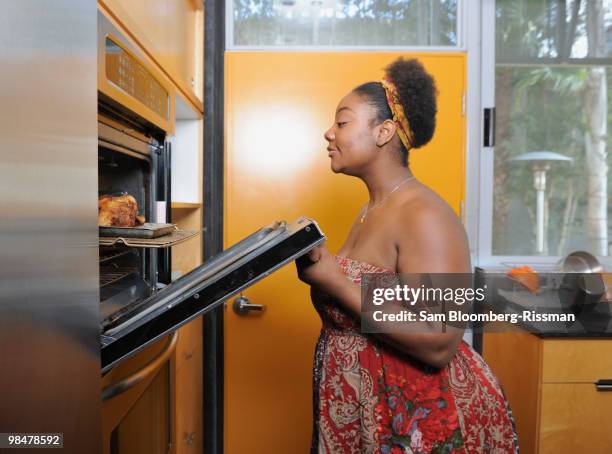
278	105
171	31
575	417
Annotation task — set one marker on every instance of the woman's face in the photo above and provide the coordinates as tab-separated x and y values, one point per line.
352	137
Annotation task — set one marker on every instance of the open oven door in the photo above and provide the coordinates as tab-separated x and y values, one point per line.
208	286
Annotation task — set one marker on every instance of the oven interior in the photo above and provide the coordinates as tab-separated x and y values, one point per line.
129	162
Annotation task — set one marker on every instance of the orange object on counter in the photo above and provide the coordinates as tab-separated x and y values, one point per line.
526	276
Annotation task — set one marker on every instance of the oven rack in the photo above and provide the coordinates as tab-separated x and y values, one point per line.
111	255
165	241
112	274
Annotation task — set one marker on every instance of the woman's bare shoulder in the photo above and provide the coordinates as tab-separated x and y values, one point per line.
430	232
423	205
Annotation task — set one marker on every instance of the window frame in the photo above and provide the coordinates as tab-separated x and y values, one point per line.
480	167
462	6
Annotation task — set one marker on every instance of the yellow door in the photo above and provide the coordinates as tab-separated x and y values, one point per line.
277	106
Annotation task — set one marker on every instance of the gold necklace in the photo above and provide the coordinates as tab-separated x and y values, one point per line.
367	207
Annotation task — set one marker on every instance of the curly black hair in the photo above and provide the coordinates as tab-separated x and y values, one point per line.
417	91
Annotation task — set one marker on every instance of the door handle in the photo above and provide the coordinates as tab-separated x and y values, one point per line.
489	127
242	306
603	385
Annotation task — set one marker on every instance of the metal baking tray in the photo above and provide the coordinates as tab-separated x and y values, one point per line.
147	230
176	237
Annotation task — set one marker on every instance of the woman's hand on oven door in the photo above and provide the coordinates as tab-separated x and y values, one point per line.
319	269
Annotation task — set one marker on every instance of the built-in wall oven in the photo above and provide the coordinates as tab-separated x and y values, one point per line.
139	303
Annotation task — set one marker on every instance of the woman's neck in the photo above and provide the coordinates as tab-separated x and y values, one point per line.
380	182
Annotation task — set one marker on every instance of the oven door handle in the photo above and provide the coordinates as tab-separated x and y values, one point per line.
152	366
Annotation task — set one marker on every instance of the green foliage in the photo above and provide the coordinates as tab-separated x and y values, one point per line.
547	111
562	81
349	22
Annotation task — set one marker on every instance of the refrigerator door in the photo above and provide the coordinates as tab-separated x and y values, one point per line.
49	290
208	286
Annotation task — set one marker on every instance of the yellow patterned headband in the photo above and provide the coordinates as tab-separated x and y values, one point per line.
403	126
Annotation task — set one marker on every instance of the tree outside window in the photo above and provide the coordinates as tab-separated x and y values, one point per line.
284	23
552	91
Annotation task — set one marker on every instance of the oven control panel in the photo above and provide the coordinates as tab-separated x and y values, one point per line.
124	71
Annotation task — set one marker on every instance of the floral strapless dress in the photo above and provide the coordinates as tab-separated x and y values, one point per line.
372	399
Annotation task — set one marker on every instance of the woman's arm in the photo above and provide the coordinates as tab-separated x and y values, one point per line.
432	241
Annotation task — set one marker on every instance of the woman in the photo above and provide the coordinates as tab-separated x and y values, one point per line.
396	392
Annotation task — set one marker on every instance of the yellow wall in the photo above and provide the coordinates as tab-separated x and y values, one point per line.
278	106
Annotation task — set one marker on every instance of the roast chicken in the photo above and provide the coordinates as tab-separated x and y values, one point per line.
118	211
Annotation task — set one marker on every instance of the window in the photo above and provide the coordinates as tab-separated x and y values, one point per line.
327	23
553	89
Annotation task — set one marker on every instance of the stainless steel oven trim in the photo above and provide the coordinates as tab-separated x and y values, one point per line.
119	149
113	136
123	125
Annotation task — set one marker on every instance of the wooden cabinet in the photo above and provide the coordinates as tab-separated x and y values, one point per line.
164	413
171	32
551	386
138	418
188	394
575	417
188	390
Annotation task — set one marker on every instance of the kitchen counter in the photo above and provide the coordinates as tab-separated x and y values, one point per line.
592	321
505	296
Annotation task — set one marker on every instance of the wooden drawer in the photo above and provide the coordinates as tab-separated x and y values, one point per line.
575	418
576	360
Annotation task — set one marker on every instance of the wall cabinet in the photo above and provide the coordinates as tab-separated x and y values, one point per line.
172	33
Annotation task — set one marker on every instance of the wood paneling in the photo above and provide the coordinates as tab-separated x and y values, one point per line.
575	419
576	360
551	389
146	427
171	32
116	409
516	360
187	255
188	397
